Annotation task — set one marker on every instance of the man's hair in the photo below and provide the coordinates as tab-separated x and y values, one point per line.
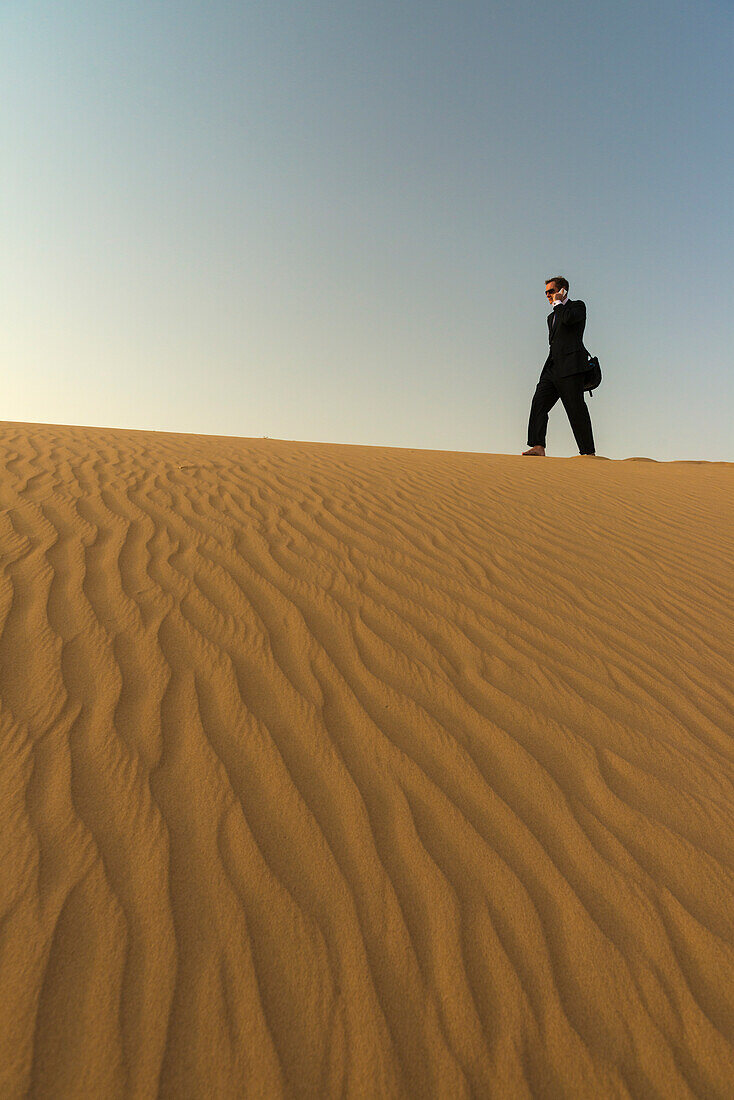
561	283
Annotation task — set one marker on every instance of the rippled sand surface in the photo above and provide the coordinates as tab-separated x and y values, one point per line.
332	771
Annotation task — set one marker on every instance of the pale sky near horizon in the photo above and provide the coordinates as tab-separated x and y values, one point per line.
333	221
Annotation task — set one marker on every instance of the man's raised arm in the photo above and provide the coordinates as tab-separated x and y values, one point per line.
573	313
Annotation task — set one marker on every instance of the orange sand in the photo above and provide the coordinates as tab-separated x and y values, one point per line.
334	771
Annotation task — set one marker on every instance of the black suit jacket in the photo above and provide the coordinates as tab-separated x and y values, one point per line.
567	352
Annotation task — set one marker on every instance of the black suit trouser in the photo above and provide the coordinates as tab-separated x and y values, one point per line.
571	392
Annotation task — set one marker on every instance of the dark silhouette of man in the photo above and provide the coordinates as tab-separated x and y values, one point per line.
562	373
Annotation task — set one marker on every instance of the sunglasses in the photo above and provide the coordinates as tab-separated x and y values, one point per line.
549	292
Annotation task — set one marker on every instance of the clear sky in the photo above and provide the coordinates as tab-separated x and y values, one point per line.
333	220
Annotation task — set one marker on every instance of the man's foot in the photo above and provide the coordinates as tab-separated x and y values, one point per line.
536	450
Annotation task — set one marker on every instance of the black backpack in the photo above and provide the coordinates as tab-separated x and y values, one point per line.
592	376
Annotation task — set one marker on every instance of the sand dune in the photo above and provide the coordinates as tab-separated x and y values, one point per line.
333	771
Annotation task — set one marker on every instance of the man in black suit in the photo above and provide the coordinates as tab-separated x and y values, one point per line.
562	375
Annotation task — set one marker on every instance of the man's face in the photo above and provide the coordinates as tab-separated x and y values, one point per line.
551	291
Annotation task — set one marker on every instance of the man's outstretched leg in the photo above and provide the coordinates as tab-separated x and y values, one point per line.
544	399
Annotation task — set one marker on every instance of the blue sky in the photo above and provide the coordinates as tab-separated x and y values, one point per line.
333	221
